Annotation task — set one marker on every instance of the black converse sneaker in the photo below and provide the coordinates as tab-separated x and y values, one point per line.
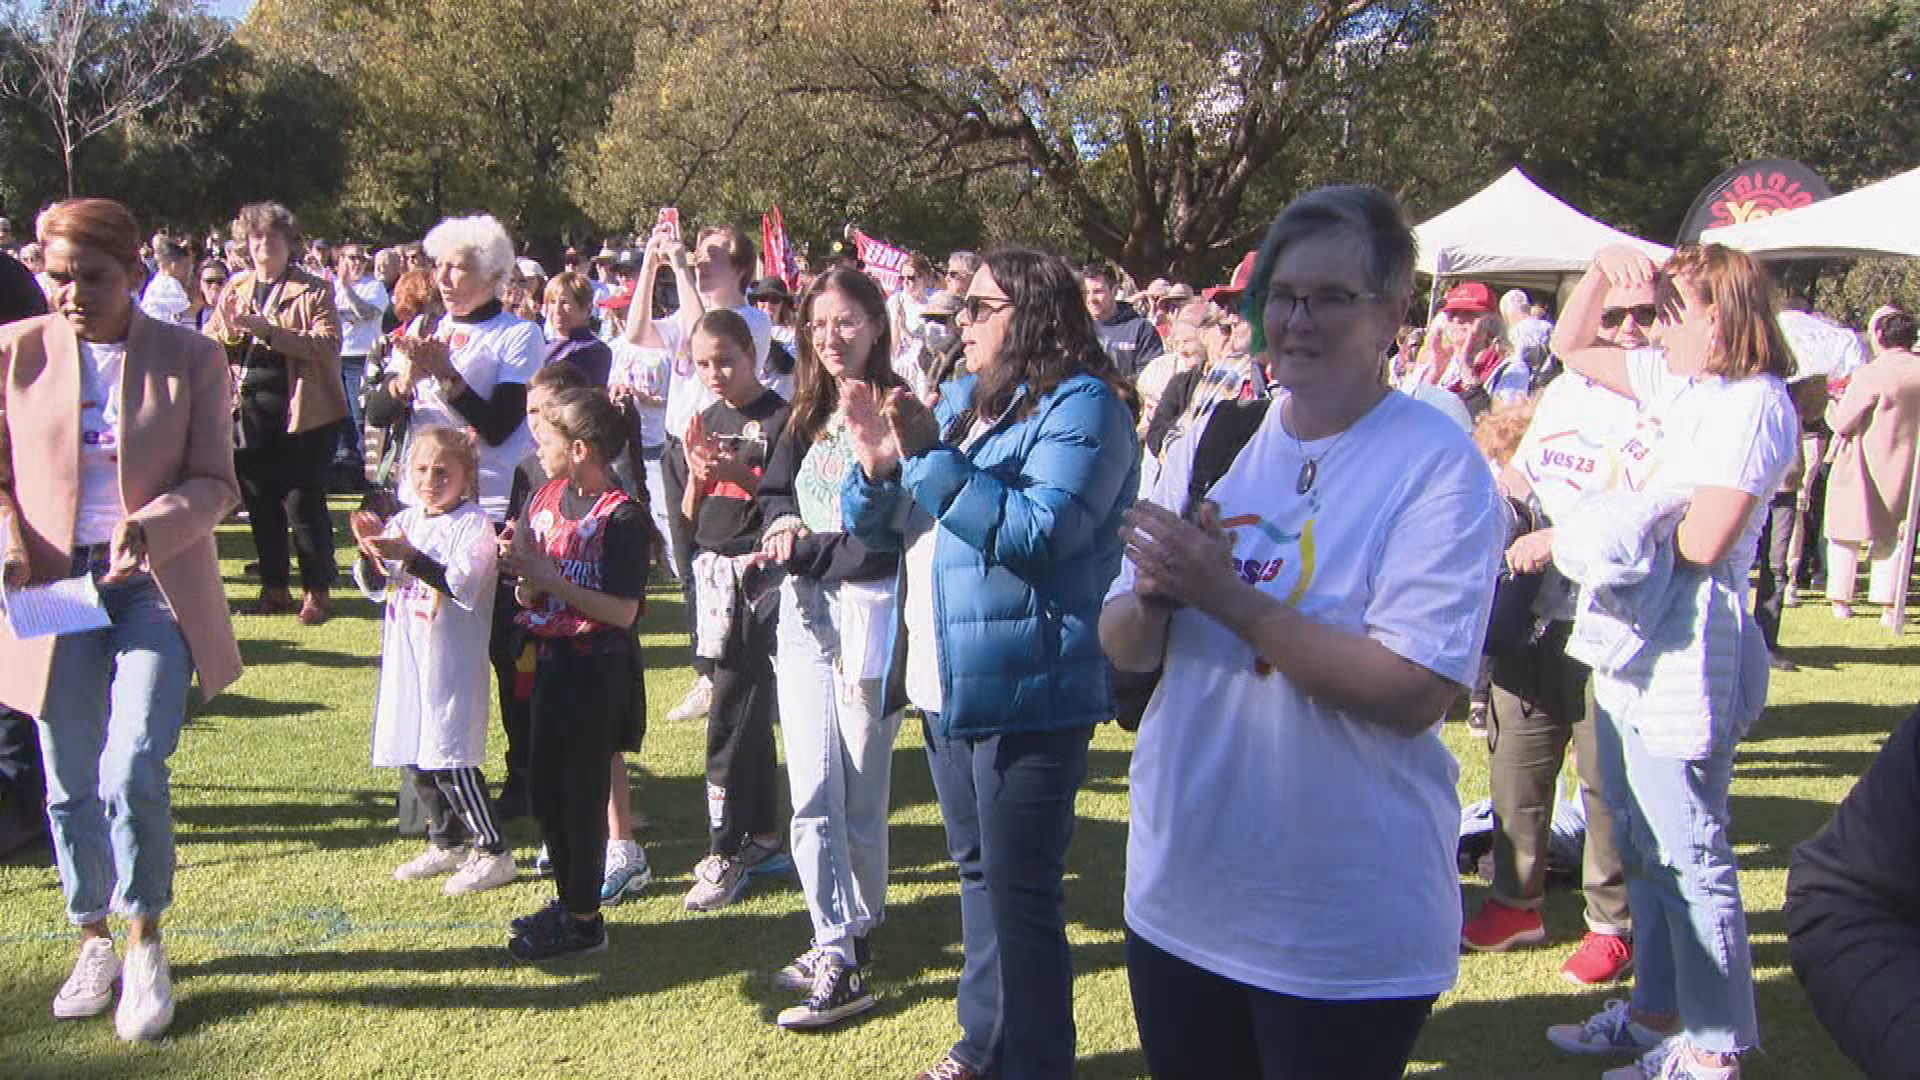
839	991
798	975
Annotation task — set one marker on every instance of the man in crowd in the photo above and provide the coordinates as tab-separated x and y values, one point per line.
1130	340
362	299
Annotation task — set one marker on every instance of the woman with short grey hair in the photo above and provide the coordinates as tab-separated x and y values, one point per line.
1300	695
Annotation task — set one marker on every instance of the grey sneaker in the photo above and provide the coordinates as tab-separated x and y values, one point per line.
89	988
627	872
717	881
1612	1030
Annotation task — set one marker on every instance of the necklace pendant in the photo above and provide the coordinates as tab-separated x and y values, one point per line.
1309	471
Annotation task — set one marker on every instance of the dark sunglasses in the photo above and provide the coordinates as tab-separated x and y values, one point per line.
979	307
1643	315
213	281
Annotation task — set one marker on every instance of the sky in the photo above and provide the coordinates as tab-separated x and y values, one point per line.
232	9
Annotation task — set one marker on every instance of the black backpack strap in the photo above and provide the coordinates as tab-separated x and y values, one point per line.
1228	427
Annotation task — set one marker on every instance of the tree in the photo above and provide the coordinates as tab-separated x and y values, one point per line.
88	66
1141	126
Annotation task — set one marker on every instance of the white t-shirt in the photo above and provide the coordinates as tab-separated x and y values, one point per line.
357	336
1696	431
646	368
1275	839
687	396
1820	347
101	508
504	349
1571	448
436	683
166	300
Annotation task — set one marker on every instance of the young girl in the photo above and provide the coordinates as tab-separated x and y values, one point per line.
430	715
727	449
580	550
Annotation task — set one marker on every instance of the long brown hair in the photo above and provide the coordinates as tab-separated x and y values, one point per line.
816	393
1740	292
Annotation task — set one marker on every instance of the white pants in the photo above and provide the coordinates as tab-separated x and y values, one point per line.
1843	567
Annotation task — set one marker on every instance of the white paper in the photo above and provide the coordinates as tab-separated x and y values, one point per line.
64	607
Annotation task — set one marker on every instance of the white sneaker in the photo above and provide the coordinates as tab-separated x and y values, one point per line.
431	863
1612	1030
695	704
627	871
89	989
1672	1059
480	872
146	994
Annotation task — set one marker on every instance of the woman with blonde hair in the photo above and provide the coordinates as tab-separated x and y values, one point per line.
1715	436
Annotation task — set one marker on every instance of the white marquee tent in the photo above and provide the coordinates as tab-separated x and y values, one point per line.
1878	219
1514	231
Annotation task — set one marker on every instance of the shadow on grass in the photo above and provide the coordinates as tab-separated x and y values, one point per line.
237	706
1829	657
266	652
1802	764
1813	720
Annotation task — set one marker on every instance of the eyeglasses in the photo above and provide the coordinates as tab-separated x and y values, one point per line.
976	308
845	328
213	281
1318	304
1642	314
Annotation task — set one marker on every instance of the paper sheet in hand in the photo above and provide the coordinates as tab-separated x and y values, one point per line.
64	607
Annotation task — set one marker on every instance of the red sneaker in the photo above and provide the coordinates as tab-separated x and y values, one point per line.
1600	959
1498	927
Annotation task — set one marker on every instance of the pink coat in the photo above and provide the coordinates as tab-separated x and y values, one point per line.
176	478
1874	422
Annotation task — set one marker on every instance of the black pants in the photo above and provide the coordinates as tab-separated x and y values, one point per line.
1812	568
284	477
506	649
23	785
1194	1023
457	808
673	478
582	687
1770	590
743	770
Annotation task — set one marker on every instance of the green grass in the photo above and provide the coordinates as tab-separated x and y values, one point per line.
296	954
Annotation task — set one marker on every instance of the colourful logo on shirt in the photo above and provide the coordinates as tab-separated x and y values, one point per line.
1289	568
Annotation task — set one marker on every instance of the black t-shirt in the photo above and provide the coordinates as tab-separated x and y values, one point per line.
728	521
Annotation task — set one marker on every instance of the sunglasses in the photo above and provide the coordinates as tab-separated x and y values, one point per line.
213	281
1643	315
976	308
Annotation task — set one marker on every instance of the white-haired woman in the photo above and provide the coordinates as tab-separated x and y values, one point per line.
473	372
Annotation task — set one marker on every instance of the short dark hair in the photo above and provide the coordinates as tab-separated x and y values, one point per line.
727	324
1102	270
558	377
1895	330
263	216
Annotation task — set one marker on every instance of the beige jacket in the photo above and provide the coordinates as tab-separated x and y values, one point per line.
1873	424
176	478
306	331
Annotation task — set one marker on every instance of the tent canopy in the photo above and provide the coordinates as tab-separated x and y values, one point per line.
1514	231
1877	219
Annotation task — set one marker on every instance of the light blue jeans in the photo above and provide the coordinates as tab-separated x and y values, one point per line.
116	699
1690	948
839	767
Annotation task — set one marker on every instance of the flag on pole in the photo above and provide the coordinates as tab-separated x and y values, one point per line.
776	254
884	263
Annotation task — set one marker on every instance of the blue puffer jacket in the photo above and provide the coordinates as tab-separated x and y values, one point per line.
1028	545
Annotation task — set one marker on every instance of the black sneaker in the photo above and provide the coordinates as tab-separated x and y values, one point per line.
798	975
839	991
564	936
522	925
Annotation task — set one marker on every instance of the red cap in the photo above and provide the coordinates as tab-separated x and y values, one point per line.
618	299
1242	276
1469	297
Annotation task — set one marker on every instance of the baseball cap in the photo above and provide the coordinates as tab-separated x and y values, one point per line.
1228	293
1468	297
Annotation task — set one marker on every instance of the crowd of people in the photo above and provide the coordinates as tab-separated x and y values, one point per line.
1283	524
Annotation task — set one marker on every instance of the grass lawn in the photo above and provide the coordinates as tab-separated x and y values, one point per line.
296	954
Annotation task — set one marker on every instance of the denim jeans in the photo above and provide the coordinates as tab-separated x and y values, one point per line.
1671	822
1196	1023
353	375
657	505
1007	802
116	699
839	767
